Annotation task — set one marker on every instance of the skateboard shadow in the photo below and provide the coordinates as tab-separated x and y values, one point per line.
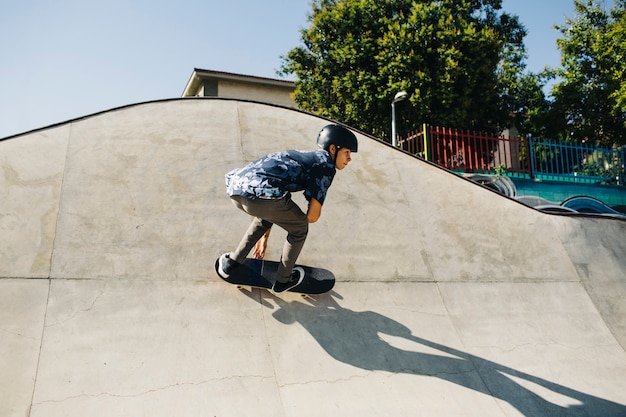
353	337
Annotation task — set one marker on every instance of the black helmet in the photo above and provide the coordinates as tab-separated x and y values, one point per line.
338	136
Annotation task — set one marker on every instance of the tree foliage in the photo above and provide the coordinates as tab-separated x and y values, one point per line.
589	100
461	62
521	93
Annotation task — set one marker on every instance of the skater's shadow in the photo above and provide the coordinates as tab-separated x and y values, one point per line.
354	337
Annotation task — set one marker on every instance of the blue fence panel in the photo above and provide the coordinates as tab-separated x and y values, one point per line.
576	162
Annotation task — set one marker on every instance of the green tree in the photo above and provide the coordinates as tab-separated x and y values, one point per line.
589	100
521	93
615	47
357	54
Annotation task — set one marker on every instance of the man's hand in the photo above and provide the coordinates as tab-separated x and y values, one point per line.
261	246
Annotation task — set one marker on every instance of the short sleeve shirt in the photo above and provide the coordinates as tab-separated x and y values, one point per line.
277	174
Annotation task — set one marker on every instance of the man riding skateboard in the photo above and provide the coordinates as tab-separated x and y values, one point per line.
263	190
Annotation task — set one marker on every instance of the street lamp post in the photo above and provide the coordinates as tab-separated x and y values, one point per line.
398	97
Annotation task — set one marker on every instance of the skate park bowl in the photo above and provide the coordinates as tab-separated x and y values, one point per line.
451	300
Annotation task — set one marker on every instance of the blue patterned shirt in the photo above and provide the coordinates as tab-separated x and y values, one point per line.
277	174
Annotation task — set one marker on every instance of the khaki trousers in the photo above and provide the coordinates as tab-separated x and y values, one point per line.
282	212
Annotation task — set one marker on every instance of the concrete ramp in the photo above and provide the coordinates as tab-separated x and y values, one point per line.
451	299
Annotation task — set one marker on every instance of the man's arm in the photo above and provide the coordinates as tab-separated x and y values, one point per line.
314	212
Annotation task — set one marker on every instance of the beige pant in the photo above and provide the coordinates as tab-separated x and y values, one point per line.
282	212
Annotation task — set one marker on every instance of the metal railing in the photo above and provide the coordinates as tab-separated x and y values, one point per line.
576	162
478	152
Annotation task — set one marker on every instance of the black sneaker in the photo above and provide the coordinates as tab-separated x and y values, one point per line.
297	275
226	266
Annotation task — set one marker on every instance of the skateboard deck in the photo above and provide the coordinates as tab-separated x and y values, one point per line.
261	274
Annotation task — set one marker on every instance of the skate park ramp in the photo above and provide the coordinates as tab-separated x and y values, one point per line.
451	300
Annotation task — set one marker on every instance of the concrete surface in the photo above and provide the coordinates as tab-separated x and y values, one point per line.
451	300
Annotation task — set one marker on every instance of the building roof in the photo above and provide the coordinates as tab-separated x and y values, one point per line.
199	74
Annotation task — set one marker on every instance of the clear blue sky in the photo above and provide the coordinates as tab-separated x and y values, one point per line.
63	59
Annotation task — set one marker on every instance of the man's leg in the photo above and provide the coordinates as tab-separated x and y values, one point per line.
257	228
294	221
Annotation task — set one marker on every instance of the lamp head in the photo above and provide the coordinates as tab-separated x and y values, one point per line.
400	96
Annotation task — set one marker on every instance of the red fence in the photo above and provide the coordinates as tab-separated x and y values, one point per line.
469	151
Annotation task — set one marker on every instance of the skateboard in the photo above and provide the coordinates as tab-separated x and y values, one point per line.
258	273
